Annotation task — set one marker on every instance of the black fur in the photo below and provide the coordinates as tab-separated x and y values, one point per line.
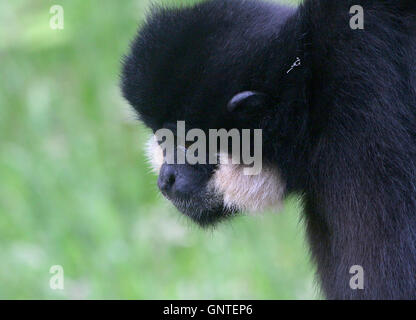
341	128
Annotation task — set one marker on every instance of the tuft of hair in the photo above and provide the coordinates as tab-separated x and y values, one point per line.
154	154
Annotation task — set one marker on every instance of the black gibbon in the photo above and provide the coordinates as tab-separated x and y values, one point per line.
337	110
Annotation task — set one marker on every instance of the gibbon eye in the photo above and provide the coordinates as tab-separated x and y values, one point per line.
246	100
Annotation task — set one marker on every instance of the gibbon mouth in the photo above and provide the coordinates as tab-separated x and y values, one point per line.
204	213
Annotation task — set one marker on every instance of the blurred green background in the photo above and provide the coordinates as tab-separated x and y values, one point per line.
75	189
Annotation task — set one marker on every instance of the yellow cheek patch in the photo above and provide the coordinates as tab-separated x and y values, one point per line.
249	192
154	154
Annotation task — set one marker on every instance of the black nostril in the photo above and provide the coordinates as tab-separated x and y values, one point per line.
170	180
166	179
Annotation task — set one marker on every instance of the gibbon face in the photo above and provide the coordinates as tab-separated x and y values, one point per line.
203	69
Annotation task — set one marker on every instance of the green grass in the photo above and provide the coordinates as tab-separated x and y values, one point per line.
75	189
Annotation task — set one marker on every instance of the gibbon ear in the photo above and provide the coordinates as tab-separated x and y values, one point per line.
247	101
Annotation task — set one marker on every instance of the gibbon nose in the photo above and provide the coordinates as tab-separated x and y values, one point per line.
166	180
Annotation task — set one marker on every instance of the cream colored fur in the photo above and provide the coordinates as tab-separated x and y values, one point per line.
248	192
154	154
